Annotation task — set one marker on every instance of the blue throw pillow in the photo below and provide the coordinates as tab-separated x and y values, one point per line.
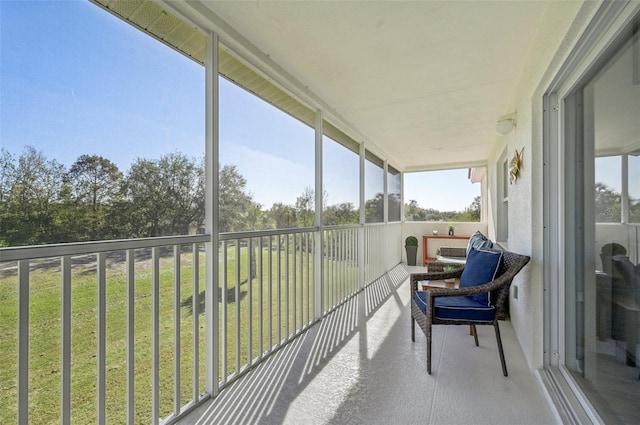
481	267
478	241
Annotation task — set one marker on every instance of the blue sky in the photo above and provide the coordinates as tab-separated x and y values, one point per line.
76	80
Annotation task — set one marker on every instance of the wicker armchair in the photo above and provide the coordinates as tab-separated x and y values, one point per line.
497	291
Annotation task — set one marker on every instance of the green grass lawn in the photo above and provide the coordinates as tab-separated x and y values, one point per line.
45	331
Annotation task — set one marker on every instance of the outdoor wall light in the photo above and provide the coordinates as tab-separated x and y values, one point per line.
505	125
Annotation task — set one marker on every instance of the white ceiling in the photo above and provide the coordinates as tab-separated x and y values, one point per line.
424	81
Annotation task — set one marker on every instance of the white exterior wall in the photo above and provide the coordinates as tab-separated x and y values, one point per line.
558	31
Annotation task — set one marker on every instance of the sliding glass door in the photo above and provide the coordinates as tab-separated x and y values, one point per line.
602	216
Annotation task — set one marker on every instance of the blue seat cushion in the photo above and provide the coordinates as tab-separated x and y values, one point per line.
457	308
482	267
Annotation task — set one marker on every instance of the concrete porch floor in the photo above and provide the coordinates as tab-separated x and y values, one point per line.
359	366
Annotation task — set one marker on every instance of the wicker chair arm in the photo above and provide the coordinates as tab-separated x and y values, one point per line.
437	275
494	285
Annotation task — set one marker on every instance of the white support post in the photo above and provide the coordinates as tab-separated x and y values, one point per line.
361	241
318	257
385	214
211	215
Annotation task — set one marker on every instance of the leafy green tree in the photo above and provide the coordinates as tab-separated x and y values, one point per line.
145	193
33	196
306	208
234	201
93	184
7	176
283	216
374	209
166	196
395	207
94	180
413	212
608	204
184	182
470	214
344	213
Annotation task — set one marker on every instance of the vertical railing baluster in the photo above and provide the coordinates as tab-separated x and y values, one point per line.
270	291
155	335
294	269
225	302
65	396
366	255
279	291
102	338
336	293
310	279
328	273
237	292
131	340
195	306
301	280
260	297
23	341
65	402
356	260
286	288
176	330
330	278
250	301
339	280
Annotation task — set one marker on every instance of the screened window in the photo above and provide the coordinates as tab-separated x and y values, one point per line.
374	189
341	178
102	128
503	207
617	189
267	175
394	187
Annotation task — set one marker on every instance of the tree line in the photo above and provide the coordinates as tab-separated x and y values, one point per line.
43	202
413	212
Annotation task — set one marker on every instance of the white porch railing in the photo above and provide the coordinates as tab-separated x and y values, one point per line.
100	324
340	260
266	294
375	246
114	327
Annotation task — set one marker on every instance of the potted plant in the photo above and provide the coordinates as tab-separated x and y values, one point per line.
451	229
607	251
449	269
411	246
